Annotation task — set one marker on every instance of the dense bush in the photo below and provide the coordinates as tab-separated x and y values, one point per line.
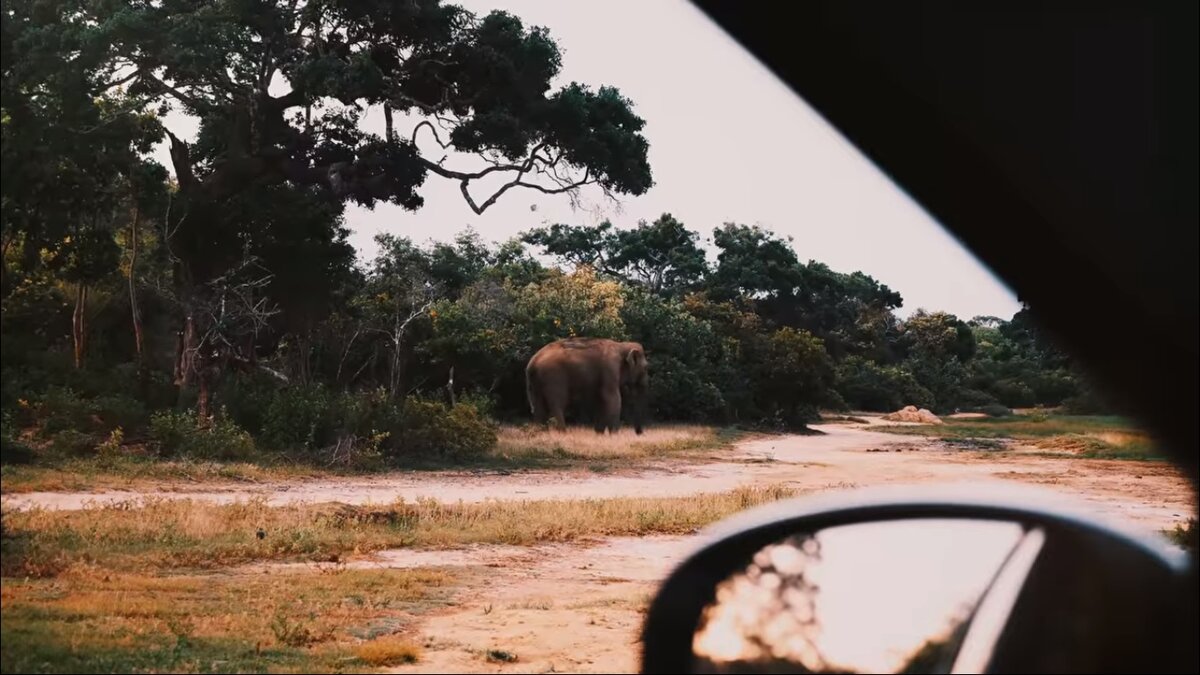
995	410
433	430
301	418
368	369
866	385
178	434
12	449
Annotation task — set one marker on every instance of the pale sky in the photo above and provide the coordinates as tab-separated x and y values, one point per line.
728	142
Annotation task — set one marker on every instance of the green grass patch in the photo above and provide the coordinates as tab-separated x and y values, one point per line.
1086	436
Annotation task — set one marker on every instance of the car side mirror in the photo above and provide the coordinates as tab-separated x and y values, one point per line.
890	581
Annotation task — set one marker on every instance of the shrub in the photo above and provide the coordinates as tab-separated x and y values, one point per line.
429	429
974	399
995	410
71	442
301	418
61	409
247	397
120	412
1015	394
1087	402
482	401
679	392
12	450
177	433
865	385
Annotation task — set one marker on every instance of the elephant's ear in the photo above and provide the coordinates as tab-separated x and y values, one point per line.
635	357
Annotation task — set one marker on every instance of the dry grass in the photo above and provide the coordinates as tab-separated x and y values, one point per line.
92	620
584	444
517	448
156	533
133	472
388	651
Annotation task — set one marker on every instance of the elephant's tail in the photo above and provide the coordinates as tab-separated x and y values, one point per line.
531	391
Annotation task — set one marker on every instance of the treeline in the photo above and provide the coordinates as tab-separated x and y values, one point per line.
318	350
218	309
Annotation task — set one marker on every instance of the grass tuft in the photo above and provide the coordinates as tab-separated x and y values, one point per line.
162	534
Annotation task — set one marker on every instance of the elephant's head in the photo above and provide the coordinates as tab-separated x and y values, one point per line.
635	382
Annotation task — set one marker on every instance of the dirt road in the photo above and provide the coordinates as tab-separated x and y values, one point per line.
578	608
1150	494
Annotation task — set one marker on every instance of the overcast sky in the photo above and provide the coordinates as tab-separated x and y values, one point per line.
728	142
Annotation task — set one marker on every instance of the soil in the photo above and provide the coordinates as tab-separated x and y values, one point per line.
578	608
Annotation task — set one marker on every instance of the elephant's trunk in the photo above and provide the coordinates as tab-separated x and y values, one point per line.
639	409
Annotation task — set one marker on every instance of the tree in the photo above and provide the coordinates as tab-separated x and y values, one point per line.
661	256
398	293
794	376
753	263
280	89
482	83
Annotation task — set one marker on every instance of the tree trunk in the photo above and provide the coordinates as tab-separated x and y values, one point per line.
389	132
304	366
202	398
133	301
450	387
394	375
78	324
185	351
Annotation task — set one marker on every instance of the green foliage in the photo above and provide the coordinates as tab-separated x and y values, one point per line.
63	409
300	418
662	257
995	410
71	443
433	430
249	239
866	385
12	449
795	374
181	434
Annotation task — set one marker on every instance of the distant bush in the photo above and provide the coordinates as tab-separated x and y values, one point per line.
117	411
72	443
12	450
62	409
995	410
1087	402
1015	394
678	392
178	434
432	430
974	399
301	418
246	398
865	385
358	427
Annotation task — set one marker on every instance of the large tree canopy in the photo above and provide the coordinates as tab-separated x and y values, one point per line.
281	88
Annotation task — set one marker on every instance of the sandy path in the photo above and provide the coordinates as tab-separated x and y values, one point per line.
564	608
1149	494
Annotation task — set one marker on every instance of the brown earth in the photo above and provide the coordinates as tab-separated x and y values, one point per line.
578	608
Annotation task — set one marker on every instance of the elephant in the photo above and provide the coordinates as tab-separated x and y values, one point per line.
589	371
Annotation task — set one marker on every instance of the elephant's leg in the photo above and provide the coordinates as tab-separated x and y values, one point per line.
537	405
555	399
558	416
610	410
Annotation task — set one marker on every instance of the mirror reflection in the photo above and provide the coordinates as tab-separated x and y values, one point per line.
881	597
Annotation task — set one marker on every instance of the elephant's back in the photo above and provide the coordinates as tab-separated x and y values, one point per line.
575	357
